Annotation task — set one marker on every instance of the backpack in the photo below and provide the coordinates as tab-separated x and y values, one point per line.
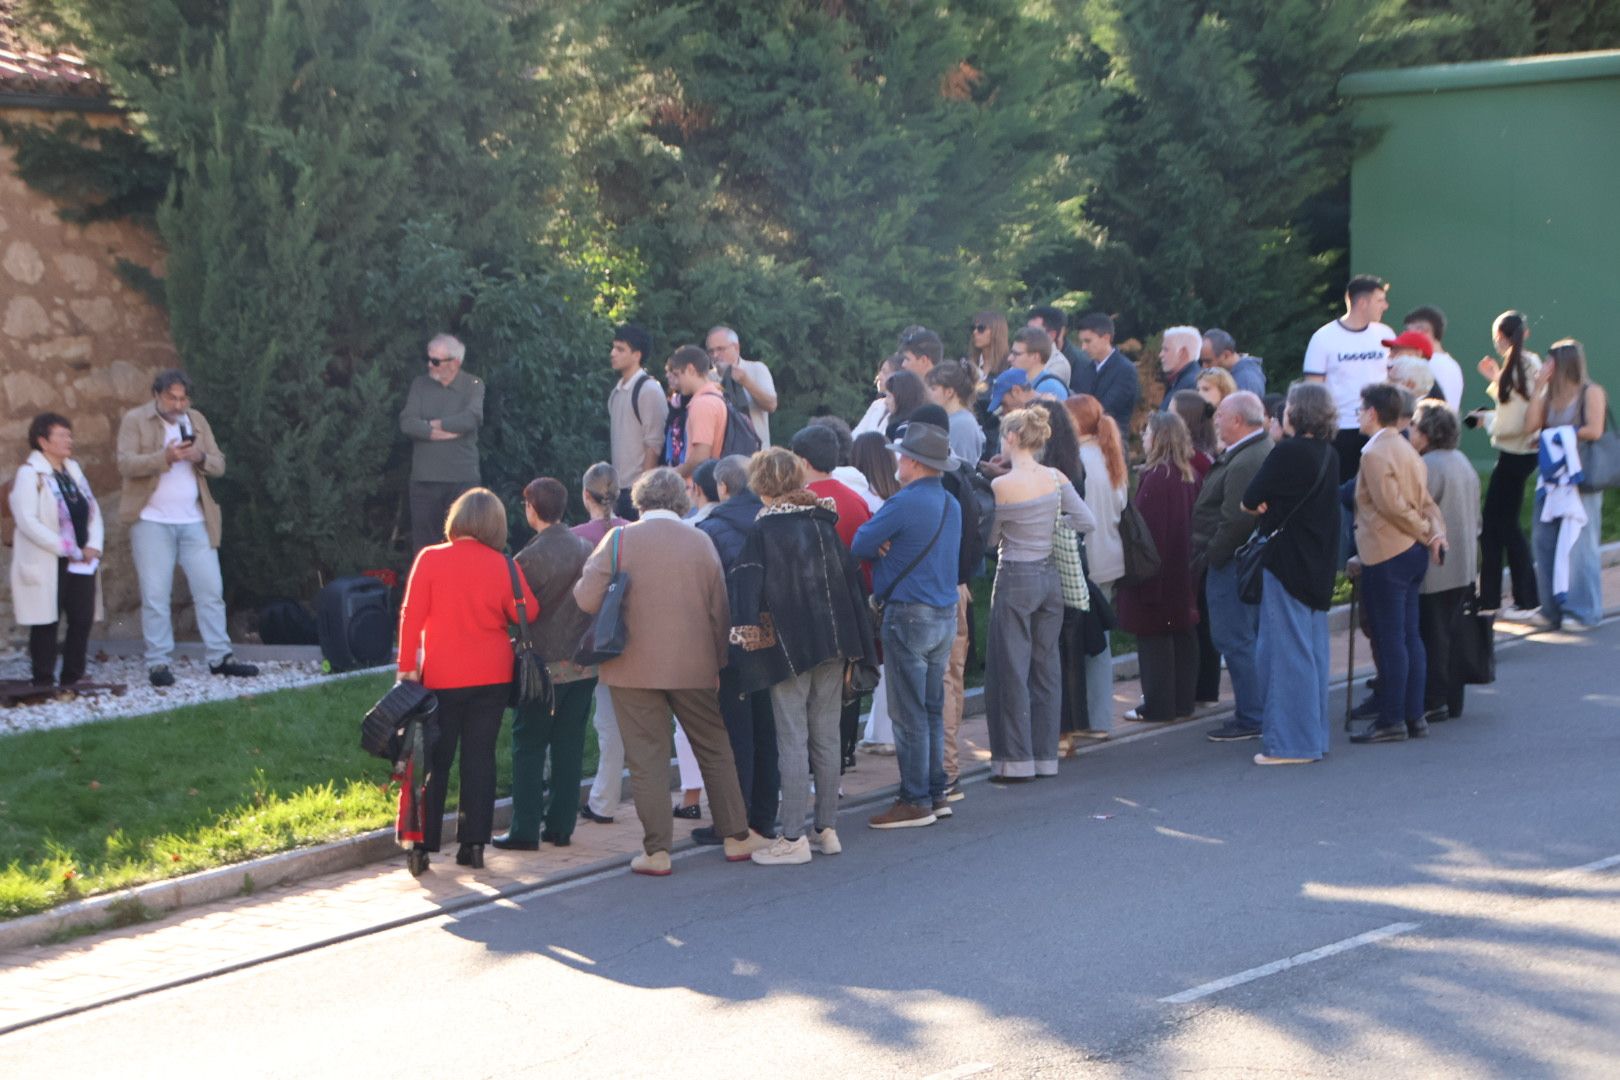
1047	375
635	393
1141	553
978	512
740	437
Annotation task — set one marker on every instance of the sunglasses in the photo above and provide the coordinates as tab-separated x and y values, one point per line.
435	361
978	328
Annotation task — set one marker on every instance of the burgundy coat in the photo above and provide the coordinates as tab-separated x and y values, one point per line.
1168	601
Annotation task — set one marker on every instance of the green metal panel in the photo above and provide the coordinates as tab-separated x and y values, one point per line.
1485	187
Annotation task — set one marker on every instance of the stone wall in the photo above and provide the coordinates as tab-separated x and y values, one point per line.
77	339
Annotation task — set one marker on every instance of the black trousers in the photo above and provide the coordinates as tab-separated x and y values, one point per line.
1208	686
75	598
1169	671
1349	442
751	729
470	716
1074	715
1439	622
1499	532
430	502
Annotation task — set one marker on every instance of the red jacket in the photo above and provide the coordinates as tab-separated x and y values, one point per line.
1168	601
458	607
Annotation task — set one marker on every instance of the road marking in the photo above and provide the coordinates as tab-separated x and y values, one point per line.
1369	938
1589	868
971	1068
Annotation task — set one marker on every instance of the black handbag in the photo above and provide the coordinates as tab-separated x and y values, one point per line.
1250	557
531	682
1142	560
382	730
605	638
1473	649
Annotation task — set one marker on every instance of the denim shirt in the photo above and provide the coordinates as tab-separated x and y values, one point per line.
908	521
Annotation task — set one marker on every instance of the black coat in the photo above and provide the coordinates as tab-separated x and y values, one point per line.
730	523
796	598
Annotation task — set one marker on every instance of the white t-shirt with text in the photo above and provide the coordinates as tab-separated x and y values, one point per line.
1348	360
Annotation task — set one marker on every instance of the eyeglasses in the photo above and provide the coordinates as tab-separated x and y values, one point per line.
979	328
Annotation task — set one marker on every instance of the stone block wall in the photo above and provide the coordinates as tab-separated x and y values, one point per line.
76	339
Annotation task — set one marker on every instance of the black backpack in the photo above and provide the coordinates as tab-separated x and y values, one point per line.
740	436
978	502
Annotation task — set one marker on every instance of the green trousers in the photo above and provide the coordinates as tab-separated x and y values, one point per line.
534	732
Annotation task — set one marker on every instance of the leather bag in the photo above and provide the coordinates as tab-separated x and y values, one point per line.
606	637
531	682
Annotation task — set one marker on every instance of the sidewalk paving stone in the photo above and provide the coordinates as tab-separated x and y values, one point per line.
50	980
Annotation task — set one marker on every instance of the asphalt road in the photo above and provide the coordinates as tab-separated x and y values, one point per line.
1035	934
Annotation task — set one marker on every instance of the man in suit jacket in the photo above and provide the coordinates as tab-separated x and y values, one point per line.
1110	377
1219	526
677	621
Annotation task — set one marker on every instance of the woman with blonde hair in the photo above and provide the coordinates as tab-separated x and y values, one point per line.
1102	454
1022	673
454	640
798	616
1163	611
988	344
1214	384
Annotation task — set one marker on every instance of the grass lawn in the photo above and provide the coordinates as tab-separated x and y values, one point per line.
104	806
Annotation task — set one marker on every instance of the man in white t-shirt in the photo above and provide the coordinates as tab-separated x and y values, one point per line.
1348	354
166	453
749	377
1448	374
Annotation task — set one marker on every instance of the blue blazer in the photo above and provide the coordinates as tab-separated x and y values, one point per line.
1114	383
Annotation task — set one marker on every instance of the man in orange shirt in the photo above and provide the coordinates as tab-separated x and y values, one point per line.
688	371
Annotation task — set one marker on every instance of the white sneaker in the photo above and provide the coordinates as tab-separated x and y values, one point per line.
784	852
826	841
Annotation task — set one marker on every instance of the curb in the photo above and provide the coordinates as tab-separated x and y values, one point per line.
207	886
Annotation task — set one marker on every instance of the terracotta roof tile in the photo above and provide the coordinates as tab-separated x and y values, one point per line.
26	68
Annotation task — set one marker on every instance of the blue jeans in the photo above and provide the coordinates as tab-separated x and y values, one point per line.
916	647
1235	628
1389	592
1584	602
1293	661
157	546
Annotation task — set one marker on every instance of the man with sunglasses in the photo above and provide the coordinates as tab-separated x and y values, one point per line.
441	417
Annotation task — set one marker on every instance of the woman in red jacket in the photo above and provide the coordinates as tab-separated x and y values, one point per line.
454	639
1163	611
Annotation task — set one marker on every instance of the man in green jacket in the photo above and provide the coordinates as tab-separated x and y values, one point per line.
441	417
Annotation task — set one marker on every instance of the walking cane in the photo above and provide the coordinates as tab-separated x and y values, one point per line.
1350	675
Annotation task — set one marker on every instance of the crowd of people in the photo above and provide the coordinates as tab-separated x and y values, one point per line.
764	595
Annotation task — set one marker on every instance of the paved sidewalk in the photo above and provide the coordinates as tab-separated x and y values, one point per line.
48	981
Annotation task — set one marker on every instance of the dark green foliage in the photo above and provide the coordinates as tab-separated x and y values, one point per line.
350	176
97	173
820	175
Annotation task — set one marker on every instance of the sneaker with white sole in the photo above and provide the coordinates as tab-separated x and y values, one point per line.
826	841
784	852
903	815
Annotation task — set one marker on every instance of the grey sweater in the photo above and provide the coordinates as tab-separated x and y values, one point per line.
459	408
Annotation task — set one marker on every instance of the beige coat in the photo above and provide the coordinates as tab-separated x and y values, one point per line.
37	548
141	461
1394	509
677	614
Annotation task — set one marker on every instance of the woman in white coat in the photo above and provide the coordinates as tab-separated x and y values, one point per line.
56	551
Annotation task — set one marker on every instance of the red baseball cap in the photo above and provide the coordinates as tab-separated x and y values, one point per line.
1412	339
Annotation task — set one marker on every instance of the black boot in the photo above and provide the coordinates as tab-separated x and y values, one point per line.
470	855
416	861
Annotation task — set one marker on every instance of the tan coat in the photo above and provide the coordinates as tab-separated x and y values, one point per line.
141	461
1394	509
677	614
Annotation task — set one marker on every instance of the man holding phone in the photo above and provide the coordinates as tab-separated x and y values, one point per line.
166	453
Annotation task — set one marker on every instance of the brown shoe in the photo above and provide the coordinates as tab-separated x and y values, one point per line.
743	850
903	815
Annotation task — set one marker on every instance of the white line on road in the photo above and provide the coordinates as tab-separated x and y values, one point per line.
1369	938
971	1068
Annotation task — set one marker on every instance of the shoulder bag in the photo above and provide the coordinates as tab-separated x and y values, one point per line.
605	638
877	603
531	682
1473	650
1141	553
1600	458
1066	557
1250	557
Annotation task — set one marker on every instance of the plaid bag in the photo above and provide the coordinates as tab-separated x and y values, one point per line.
1066	554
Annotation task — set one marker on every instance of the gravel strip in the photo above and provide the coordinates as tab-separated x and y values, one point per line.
193	685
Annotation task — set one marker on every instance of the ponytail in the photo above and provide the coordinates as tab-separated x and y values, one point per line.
1513	326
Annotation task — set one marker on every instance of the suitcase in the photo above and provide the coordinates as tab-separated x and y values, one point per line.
355	623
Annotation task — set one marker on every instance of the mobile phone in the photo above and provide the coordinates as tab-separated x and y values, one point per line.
1442	556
